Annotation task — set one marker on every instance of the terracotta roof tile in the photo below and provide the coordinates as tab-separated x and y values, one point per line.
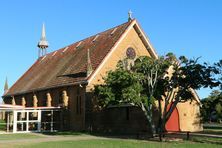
67	65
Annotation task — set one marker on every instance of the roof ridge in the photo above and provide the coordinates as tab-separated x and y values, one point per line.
87	38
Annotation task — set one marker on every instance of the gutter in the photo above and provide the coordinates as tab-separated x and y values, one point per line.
45	88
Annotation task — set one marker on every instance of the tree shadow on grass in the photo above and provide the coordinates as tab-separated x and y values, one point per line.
64	133
140	136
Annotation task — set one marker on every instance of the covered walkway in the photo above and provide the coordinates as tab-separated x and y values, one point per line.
20	119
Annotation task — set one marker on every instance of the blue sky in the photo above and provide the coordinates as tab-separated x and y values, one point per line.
186	27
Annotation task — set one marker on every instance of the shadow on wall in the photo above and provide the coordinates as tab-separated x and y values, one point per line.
197	124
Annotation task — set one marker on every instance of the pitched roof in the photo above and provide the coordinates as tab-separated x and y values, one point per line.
67	65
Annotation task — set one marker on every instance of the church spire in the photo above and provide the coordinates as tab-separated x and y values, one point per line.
89	64
43	43
6	85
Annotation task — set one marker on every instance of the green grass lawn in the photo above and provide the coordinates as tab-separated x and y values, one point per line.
111	143
2	125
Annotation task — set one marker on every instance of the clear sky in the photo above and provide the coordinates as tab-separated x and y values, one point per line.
185	27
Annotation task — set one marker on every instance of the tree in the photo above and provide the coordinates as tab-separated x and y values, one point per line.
212	107
218	109
165	80
123	86
218	67
184	76
154	72
135	84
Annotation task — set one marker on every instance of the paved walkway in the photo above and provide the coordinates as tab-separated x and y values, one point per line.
45	138
198	134
206	135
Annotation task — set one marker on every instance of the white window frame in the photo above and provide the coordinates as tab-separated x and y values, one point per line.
27	121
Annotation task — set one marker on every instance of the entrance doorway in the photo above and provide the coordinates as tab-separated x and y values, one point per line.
173	124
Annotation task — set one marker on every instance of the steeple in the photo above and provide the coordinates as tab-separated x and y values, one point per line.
43	43
89	64
130	16
6	85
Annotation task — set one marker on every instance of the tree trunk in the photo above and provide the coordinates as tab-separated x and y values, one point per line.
149	117
160	131
162	115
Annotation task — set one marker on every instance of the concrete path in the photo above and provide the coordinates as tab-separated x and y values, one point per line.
206	135
198	134
44	138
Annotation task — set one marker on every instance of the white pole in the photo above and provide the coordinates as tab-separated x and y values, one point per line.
22	122
27	119
7	122
51	121
39	120
14	121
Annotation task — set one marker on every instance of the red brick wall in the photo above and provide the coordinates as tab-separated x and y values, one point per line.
74	120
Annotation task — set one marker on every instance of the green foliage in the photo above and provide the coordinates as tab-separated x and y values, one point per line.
153	72
121	86
212	106
134	84
218	109
146	79
218	68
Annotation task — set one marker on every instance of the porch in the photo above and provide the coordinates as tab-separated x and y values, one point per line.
19	119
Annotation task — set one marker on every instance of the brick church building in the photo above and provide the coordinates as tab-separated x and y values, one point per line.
66	78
